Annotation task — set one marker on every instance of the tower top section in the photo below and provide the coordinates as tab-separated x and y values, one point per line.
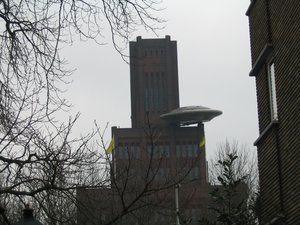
153	80
140	39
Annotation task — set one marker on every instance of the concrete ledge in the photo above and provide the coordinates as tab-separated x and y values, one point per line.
268	48
265	131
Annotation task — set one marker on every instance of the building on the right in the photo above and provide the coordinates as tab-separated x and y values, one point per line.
275	52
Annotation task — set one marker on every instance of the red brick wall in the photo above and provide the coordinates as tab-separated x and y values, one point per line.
278	145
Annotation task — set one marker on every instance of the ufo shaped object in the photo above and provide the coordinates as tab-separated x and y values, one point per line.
190	115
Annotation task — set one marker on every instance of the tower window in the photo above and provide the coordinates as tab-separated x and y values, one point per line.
190	150
157	91
167	150
120	151
183	150
164	92
152	91
272	91
178	152
146	93
164	151
194	173
196	150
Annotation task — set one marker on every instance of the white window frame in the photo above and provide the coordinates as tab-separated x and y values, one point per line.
272	90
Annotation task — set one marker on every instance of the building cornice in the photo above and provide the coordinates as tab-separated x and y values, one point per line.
250	7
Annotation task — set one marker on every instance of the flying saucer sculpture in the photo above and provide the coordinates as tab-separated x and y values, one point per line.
190	115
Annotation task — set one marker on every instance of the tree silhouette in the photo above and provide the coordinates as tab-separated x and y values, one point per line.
40	159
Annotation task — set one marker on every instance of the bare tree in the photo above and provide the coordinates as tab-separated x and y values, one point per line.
40	159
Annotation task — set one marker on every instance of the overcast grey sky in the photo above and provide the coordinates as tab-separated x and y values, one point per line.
213	59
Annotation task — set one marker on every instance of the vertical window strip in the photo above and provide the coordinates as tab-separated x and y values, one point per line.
161	151
146	93
178	153
161	92
157	91
196	172
183	150
272	90
196	150
190	150
167	150
138	151
120	151
165	90
126	151
152	91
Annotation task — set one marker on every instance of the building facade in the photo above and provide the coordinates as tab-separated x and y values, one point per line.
171	152
275	52
163	151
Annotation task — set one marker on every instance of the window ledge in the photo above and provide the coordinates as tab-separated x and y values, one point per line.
265	131
268	48
250	7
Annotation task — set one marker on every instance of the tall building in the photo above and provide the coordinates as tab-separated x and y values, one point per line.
159	132
165	147
275	52
153	80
